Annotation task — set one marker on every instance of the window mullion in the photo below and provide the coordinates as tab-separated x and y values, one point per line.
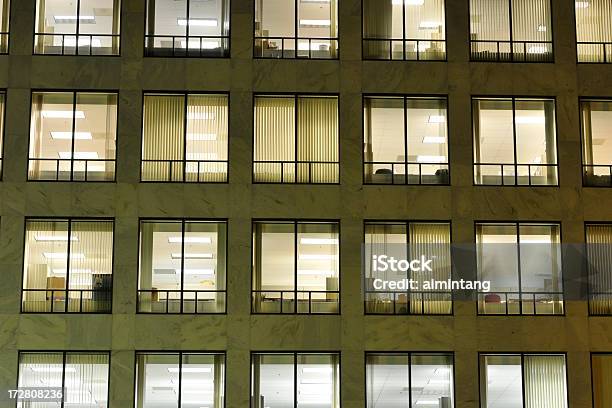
186	112
63	389
183	225
72	153
518	266
515	159
68	268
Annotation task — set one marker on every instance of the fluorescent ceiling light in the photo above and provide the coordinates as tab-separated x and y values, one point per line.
60	19
436	119
316	257
200	137
428	25
582	4
62	255
53	238
431	159
530	120
537	49
194	255
191	370
201	22
315	23
59	114
200	115
79	155
83	41
317	370
68	135
434	139
190	240
196	44
318	241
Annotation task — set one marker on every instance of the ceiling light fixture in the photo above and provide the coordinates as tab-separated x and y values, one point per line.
315	23
431	159
434	139
68	135
60	114
436	119
530	120
200	22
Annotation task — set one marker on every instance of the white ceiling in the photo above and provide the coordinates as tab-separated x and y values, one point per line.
102	10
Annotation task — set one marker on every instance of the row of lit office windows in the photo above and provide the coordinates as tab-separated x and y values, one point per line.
182	267
73	137
506	31
295	379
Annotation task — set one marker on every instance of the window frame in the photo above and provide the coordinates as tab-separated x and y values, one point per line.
72	159
517	225
295	161
404	40
593	354
409	354
296	38
407	224
295	222
577	43
4	96
66	291
589	285
6	35
183	222
295	354
63	374
149	52
184	161
406	163
511	42
583	150
179	354
515	165
522	355
77	35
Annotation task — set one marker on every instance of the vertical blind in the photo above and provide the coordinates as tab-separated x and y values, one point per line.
490	20
545	385
593	25
302	133
599	258
602	378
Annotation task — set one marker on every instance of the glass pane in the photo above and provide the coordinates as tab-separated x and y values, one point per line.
318	20
318	266
597	132
274	18
387	378
318	380
36	369
536	141
163	137
86	380
383	20
57	16
601	365
545	381
105	19
169	18
489	20
501	381
95	137
51	135
431	380
202	380
531	21
160	266
425	21
91	266
157	380
273	380
207	140
497	261
45	266
384	140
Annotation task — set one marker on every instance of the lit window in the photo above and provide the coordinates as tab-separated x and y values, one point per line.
80	27
398	240
404	30
173	380
2	108
523	380
523	263
5	8
80	377
601	366
599	253
409	380
511	30
596	116
296	139
188	28
296	267
296	29
515	141
594	30
73	136
185	138
295	380
182	266
405	140
68	266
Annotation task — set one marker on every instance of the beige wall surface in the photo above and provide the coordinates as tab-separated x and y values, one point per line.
239	201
